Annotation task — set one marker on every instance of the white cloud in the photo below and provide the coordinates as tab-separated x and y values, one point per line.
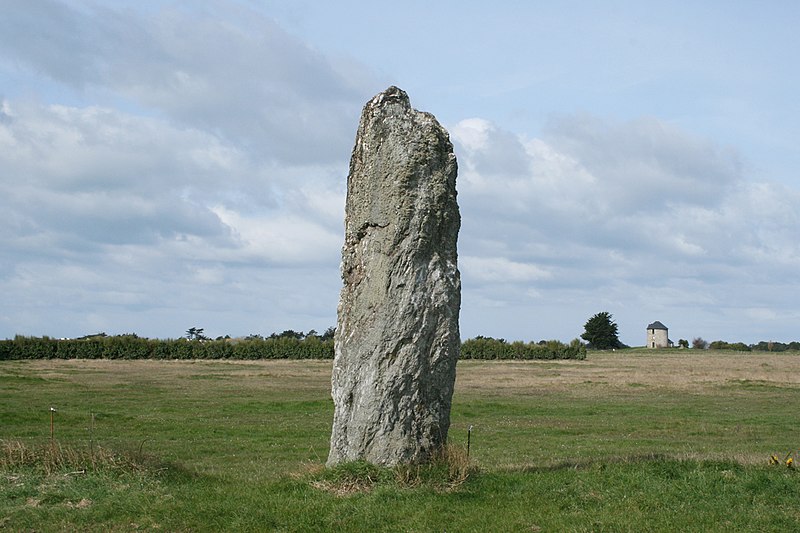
639	216
104	177
646	164
500	270
227	70
163	167
179	177
283	238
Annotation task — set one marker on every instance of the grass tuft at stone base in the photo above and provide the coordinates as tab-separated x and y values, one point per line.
446	471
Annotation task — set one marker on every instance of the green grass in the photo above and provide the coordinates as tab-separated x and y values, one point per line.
627	441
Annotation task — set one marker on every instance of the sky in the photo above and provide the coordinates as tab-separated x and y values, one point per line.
176	164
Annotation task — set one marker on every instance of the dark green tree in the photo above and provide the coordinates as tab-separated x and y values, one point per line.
601	332
196	334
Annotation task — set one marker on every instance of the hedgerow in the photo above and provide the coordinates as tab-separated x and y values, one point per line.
251	348
489	348
132	347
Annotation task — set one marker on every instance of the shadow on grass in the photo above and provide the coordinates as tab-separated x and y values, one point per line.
660	462
587	464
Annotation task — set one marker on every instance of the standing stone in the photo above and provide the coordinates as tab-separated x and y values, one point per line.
397	338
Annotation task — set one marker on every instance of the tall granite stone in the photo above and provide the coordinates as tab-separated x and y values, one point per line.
397	338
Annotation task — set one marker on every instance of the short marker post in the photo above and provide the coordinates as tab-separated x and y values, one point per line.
52	424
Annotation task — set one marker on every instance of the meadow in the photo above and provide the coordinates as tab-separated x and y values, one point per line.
633	440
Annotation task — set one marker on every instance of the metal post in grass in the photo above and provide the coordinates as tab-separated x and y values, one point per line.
91	437
52	424
469	438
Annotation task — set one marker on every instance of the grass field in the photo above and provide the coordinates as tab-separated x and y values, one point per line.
623	441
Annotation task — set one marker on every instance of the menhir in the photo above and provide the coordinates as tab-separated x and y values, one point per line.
397	338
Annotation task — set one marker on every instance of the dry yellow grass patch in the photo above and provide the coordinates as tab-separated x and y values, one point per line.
670	369
273	373
681	370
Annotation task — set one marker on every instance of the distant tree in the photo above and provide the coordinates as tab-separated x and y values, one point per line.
699	344
329	333
196	334
683	343
722	345
289	334
93	336
601	332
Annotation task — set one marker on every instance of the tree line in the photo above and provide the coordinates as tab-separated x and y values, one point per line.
135	347
289	344
762	346
601	333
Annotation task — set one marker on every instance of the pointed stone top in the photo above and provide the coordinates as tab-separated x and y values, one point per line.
391	95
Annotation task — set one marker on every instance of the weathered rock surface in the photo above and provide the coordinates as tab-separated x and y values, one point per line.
397	338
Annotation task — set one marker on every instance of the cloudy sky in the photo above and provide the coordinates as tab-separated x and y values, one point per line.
170	164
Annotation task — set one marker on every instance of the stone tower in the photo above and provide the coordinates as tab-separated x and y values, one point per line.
657	335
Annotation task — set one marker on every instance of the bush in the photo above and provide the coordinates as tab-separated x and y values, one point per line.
722	345
489	348
133	347
771	346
